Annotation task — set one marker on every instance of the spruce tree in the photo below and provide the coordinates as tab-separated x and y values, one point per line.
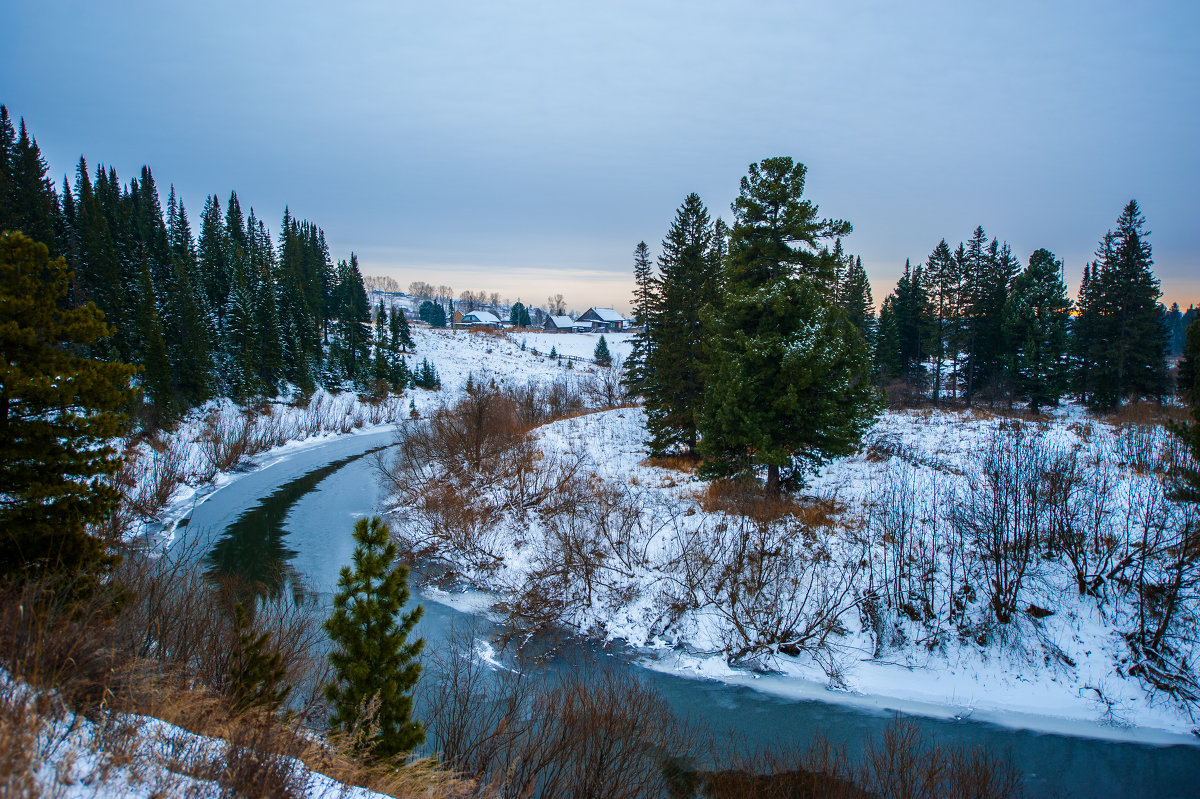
59	412
601	354
944	284
519	315
374	663
1036	317
1120	341
400	335
854	297
1184	478
381	368
644	292
31	205
787	376
672	348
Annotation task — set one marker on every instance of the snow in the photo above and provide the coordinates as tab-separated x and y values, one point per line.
134	756
1022	682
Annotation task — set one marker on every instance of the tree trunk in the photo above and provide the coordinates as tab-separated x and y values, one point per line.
772	479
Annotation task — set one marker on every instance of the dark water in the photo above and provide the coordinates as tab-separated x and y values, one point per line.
288	527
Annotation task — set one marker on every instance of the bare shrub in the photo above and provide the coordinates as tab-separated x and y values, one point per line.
577	733
607	387
1002	515
155	473
1078	493
1137	445
224	441
904	765
777	588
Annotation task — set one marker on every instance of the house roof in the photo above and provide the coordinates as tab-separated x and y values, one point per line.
561	321
605	314
487	317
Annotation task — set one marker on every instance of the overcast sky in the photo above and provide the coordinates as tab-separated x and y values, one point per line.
525	148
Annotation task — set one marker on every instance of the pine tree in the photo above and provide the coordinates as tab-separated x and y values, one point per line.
1036	317
789	387
601	354
59	412
374	663
788	376
257	677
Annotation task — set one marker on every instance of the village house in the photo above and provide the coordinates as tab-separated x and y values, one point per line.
558	324
478	319
601	319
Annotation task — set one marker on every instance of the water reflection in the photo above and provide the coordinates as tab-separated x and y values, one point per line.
252	551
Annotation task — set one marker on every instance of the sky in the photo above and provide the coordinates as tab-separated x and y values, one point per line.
526	147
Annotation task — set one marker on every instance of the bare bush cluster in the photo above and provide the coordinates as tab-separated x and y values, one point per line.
605	734
975	555
777	586
572	733
156	466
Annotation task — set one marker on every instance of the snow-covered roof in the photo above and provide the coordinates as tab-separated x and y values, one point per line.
486	317
606	314
562	321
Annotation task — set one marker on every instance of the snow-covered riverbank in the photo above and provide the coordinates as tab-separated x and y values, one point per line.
1065	671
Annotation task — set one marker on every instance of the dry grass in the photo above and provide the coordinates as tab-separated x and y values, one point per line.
686	463
162	652
1147	414
750	499
488	330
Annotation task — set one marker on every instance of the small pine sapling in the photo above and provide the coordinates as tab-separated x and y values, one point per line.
257	677
376	666
601	354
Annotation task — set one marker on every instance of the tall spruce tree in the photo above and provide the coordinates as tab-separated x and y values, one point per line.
1120	341
59	412
645	298
944	273
31	204
672	382
1036	319
787	376
353	320
374	662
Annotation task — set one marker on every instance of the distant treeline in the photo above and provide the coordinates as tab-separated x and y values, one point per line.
231	312
969	324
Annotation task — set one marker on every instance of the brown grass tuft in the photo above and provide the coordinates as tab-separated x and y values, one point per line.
1147	414
683	462
750	499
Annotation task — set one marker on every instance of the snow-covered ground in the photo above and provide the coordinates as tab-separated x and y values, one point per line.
168	474
1070	666
1034	673
67	755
